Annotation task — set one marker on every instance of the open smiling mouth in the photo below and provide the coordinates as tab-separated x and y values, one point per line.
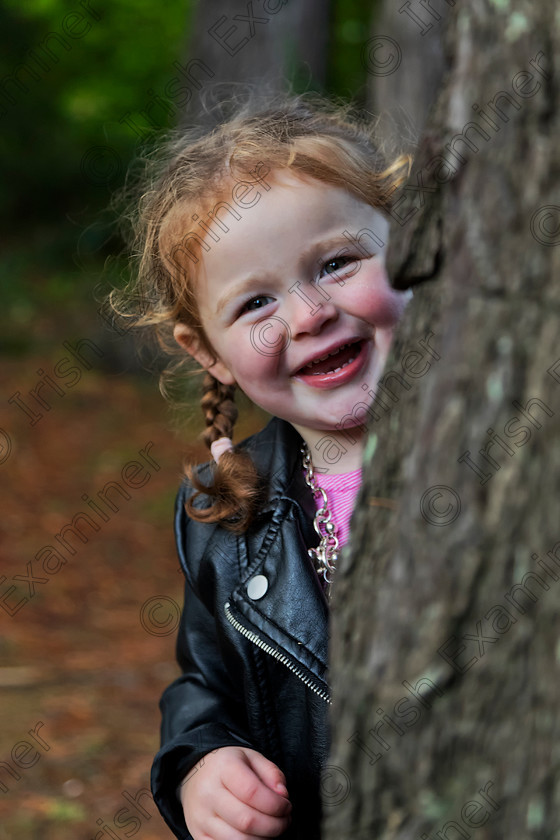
333	362
337	367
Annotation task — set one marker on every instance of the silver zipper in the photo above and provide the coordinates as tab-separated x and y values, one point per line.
279	656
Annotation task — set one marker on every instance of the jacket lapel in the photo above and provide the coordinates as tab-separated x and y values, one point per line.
291	614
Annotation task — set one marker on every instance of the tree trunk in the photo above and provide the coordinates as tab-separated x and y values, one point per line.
445	660
261	43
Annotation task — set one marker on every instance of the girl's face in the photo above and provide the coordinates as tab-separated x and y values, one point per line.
299	276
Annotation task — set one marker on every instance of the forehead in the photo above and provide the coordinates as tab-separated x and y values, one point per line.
278	217
186	215
284	203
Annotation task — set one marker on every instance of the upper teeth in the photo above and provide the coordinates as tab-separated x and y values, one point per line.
334	352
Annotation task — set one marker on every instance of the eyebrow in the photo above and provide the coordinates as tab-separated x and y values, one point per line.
250	282
253	280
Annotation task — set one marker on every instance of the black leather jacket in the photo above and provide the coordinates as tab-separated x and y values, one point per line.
253	653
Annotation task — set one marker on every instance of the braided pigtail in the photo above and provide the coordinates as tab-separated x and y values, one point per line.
236	489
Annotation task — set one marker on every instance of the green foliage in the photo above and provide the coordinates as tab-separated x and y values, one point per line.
69	73
350	30
76	70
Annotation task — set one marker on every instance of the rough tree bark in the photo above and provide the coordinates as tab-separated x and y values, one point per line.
261	43
445	660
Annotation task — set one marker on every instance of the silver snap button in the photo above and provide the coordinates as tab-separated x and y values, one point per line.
256	587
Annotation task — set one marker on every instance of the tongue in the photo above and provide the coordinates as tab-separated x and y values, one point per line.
336	361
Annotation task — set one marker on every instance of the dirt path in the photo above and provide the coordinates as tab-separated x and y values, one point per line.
87	635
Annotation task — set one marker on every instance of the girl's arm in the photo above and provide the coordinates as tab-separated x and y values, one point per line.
208	775
202	709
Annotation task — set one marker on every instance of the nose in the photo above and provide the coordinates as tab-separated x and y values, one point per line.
309	311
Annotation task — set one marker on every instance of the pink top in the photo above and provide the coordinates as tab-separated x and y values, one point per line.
341	493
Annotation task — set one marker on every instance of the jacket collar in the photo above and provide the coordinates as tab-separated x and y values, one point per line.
276	452
296	622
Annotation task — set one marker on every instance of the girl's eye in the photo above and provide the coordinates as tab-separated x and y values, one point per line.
248	307
336	264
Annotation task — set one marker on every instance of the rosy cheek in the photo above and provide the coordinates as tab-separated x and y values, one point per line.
384	305
387	306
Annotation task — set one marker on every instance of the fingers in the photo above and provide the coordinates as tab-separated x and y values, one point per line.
267	771
254	783
236	794
249	821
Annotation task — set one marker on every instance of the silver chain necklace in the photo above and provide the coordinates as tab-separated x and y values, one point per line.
325	555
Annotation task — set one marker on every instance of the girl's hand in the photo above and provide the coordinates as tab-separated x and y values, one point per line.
235	793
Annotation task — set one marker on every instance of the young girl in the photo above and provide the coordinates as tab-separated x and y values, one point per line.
261	251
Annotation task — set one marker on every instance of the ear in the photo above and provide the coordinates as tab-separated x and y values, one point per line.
190	342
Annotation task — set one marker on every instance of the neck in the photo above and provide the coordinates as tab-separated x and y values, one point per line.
335	452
